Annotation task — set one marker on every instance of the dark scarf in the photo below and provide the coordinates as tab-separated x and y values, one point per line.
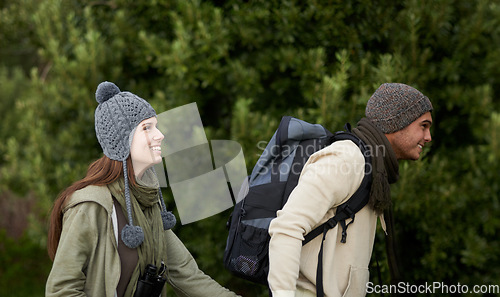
385	171
385	167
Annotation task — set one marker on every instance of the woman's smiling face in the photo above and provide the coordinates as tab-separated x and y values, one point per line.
145	150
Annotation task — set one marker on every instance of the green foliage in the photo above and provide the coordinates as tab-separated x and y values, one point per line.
455	216
24	267
245	64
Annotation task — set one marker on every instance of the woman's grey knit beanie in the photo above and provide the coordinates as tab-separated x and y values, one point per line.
394	106
116	116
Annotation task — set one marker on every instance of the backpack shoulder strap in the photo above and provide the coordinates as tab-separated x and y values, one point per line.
357	201
347	209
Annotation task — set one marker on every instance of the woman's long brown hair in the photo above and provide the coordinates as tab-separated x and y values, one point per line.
101	172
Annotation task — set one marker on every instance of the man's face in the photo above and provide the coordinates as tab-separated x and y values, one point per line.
409	142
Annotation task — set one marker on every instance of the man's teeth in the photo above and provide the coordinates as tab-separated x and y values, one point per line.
420	146
156	148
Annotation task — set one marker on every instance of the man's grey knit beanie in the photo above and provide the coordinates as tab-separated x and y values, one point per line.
394	106
116	117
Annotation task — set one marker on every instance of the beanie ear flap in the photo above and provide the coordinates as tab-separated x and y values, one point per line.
132	236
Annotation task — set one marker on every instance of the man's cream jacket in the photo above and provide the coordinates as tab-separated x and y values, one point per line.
328	179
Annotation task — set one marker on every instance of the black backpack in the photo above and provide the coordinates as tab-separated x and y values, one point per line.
272	180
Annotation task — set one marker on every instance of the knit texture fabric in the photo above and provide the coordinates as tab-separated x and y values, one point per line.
116	118
384	166
394	106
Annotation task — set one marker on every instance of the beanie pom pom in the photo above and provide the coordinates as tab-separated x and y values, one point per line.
168	219
132	236
105	91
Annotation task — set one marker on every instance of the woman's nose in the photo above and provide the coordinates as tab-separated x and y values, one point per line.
158	136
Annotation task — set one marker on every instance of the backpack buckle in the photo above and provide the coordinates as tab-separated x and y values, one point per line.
331	223
351	214
348	211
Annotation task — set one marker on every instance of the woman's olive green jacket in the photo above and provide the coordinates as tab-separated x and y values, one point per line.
87	261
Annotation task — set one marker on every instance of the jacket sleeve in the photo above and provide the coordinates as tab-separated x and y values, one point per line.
68	277
184	275
328	179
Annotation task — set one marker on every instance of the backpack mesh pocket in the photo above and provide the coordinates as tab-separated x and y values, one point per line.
251	253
